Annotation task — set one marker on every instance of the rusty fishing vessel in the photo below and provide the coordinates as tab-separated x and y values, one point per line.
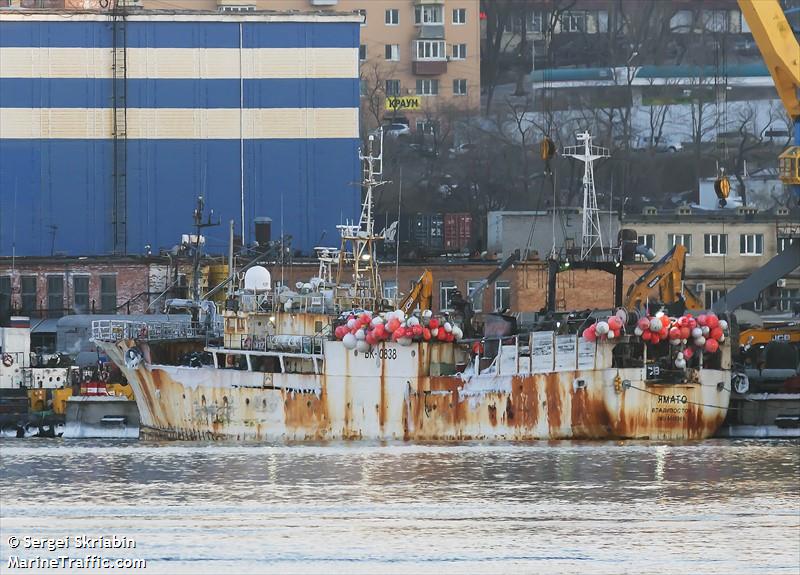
272	365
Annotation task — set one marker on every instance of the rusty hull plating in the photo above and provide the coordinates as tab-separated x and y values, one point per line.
388	394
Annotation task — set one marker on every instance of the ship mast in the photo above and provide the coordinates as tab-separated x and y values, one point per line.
587	153
365	289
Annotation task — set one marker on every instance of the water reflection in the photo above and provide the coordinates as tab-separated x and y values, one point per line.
567	507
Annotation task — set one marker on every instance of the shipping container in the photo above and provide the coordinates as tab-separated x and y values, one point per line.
427	231
258	113
457	232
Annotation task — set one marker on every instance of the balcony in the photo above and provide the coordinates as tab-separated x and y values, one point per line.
430	32
429	67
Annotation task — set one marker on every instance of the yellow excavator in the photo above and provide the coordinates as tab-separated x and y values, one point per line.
420	295
666	276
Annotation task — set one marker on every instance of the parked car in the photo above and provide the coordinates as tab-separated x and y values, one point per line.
642	143
462	149
395	130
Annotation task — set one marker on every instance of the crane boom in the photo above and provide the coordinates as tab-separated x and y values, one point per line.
779	48
420	295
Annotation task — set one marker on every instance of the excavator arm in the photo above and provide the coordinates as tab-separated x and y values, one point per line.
667	276
420	295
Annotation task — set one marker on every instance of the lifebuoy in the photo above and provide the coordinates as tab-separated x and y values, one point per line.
477	348
8	360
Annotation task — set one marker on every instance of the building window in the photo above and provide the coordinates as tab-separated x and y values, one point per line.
446	290
108	294
5	293
712	296
502	295
427	87
390	288
459	87
751	244
573	22
248	8
393	17
788	299
459	16
648	240
683	239
363	13
716	244
80	294
363	87
392	87
27	288
472	285
459	51
431	50
784	243
393	52
428	14
362	52
55	296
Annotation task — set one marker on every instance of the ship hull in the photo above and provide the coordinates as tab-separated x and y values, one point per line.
372	398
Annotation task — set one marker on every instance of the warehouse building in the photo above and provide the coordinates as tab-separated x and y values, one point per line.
112	124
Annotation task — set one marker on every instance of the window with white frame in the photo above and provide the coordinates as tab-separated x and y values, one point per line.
573	22
715	20
363	86
535	21
431	50
472	285
784	243
683	239
502	295
459	51
390	290
788	299
712	296
459	15
751	244
240	8
363	13
362	52
427	87
715	244
446	290
459	87
428	14
393	52
392	17
648	240
392	87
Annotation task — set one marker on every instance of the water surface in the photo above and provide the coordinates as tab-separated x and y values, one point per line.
545	507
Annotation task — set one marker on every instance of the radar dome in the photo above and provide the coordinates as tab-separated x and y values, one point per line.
257	279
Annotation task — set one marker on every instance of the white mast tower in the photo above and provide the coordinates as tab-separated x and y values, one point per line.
587	153
365	289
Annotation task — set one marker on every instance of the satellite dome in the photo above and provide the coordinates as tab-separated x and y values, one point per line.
257	279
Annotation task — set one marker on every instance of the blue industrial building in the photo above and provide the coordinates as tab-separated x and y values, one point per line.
110	127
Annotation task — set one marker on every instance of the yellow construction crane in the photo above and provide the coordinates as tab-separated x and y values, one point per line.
666	276
420	295
781	53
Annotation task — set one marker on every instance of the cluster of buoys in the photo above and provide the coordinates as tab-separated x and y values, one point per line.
362	330
611	328
702	333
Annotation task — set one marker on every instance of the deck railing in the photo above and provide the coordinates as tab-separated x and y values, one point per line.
112	330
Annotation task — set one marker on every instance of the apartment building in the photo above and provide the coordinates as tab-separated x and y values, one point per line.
724	247
420	59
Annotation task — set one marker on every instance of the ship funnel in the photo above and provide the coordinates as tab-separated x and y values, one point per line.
257	279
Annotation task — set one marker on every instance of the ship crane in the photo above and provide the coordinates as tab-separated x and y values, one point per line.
780	50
